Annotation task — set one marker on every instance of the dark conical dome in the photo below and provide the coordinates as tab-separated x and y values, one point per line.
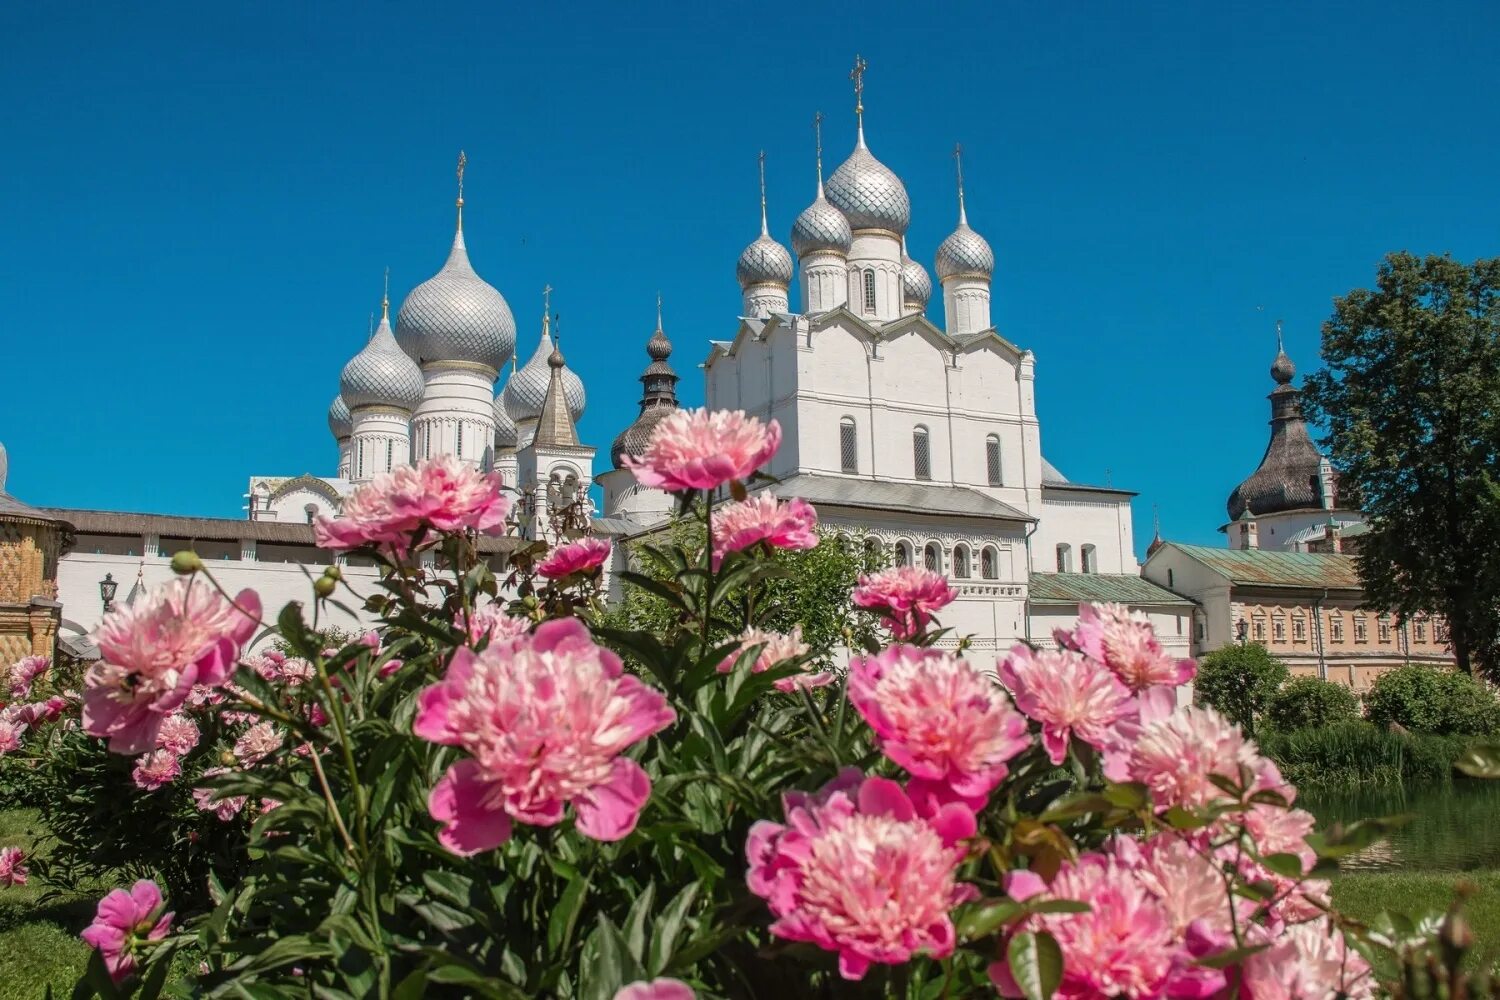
1289	475
659	382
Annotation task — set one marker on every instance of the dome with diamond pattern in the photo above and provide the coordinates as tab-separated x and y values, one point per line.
505	425
527	386
456	316
821	227
340	424
868	193
965	252
764	262
382	374
916	285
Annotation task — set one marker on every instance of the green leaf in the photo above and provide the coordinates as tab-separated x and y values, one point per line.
635	922
564	918
668	928
1076	805
1283	864
1130	795
1224	959
1480	759
1057	906
1036	964
284	951
1180	819
612	966
1340	841
981	919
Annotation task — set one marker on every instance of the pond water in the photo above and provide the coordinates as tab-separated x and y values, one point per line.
1453	828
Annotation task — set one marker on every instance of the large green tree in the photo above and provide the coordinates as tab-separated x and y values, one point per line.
1410	397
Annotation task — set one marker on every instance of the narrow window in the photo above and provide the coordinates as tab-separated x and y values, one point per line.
1064	558
1278	629
1361	629
903	554
1087	560
848	446
961	562
992	459
988	567
460	439
359	460
1419	629
1336	628
1171	582
921	454
1384	624
1440	631
390	454
932	557
870	291
1258	629
872	553
1299	629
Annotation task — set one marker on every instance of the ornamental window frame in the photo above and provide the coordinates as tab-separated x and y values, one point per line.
848	446
921	453
994	468
989	563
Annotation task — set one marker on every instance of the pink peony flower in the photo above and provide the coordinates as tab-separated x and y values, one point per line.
582	556
657	989
763	518
438	494
125	920
1281	831
177	734
545	721
1180	872
856	870
267	663
13	869
46	711
1069	694
1309	961
154	651
10	736
906	596
24	671
1176	756
157	768
776	648
940	718
296	671
493	622
226	807
1126	643
700	450
257	743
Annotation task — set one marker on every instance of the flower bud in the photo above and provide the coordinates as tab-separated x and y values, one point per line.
227	758
186	562
333	573
324	586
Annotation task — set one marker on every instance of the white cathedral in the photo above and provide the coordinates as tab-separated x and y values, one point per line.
924	439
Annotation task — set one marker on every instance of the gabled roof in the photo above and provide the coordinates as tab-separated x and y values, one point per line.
1119	588
1263	568
988	338
14	509
910	498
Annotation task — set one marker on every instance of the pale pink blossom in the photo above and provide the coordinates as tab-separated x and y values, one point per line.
493	622
657	989
937	716
545	721
1125	642
178	734
226	807
1308	961
257	743
702	449
437	494
777	648
906	596
13	870
154	651
1181	872
582	556
267	663
1275	830
296	671
763	518
47	711
124	921
858	871
154	769
25	671
10	736
1177	757
1069	694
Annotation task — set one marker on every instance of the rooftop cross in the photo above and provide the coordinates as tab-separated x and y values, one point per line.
658	310
764	231
858	76
462	162
818	140
958	159
385	297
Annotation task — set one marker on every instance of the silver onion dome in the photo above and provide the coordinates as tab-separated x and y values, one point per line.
527	386
764	262
821	227
340	425
505	425
965	252
456	316
916	285
381	374
868	193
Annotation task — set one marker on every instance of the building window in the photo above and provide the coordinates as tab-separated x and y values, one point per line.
1440	630
1419	629
1383	627
1171	579
390	455
1361	629
989	563
460	451
1299	629
1336	628
921	454
961	562
1087	561
992	459
872	553
848	446
870	291
1278	629
932	558
1064	558
1179	624
903	554
1258	628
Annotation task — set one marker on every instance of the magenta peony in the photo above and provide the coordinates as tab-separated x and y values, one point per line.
763	518
124	921
906	596
657	989
178	734
856	870
1126	643
582	556
13	869
157	768
776	647
545	721
1069	694
10	735
701	450
438	494
154	651
937	716
24	672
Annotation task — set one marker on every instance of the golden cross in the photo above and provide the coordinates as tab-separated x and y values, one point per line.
858	76
546	299
818	138
462	162
385	297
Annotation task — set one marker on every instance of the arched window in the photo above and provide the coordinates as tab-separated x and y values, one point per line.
359	460
870	291
390	454
1064	558
992	459
961	562
1087	561
903	554
932	557
989	561
311	510
872	553
921	454
460	451
848	446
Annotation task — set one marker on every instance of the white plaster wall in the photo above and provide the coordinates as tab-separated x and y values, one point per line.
1173	570
966	305
1078	519
873	250
1285	532
292	507
456	396
824	282
381	441
763	300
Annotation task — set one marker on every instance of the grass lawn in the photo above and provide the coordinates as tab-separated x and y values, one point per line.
1362	895
39	944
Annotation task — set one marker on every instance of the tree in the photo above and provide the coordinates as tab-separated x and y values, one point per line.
1311	703
1239	681
1410	397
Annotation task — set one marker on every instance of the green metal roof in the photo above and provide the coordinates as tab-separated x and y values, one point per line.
1099	588
1260	568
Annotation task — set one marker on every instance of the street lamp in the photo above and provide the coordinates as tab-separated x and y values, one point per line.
107	588
1242	629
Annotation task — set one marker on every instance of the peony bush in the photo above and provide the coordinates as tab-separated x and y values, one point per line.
504	792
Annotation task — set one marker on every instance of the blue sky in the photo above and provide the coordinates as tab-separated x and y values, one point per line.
200	201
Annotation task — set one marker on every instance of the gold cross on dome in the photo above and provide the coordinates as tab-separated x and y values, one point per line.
858	76
546	299
462	162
